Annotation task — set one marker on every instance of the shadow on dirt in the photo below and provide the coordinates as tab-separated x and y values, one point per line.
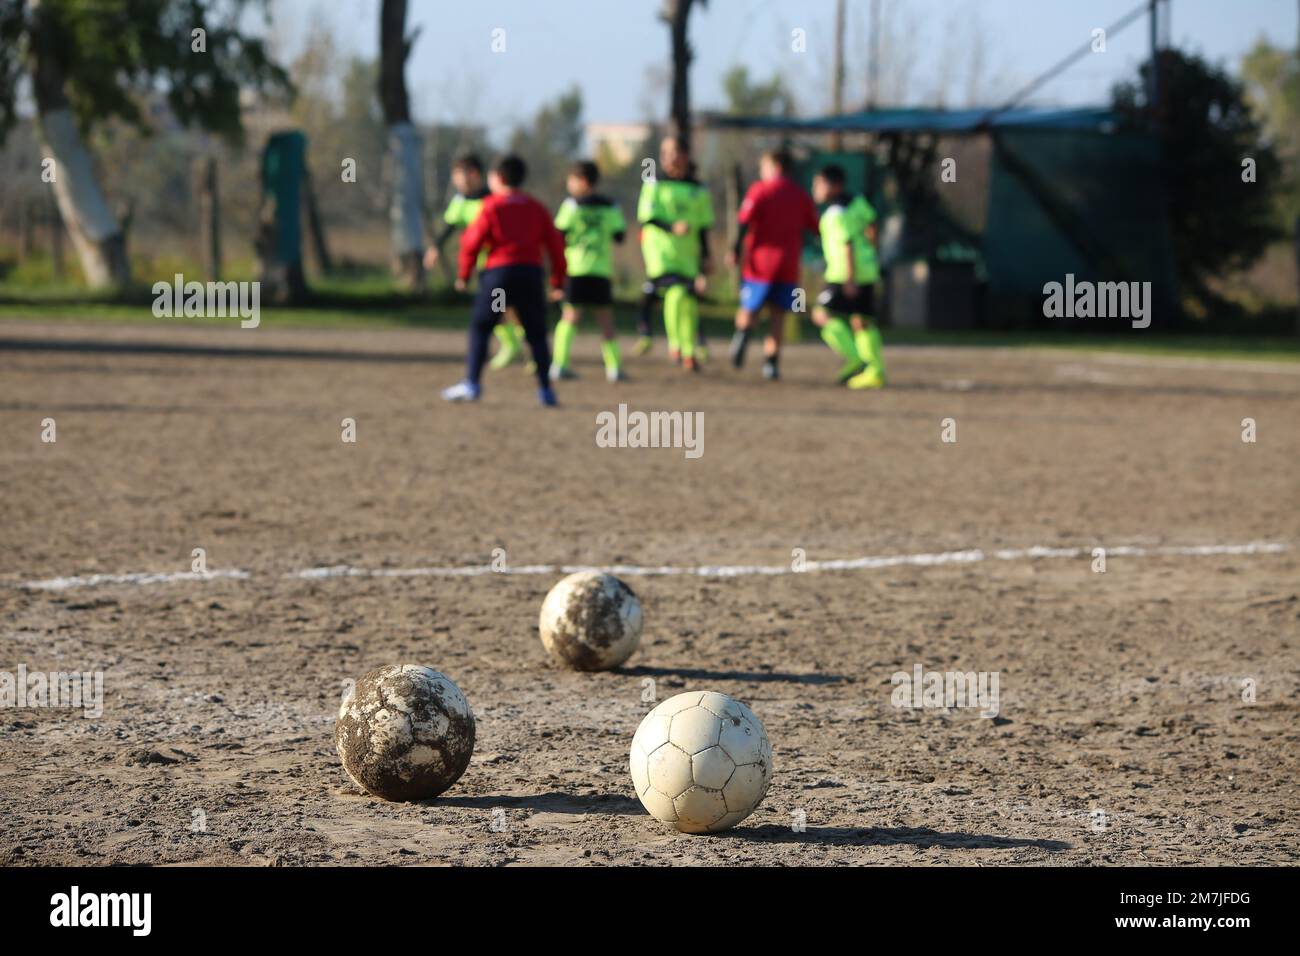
752	677
884	836
199	350
546	803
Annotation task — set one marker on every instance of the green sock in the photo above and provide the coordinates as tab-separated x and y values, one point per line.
507	335
688	324
837	334
672	311
875	348
862	344
609	351
564	334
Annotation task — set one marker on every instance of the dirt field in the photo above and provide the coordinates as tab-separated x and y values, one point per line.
1126	731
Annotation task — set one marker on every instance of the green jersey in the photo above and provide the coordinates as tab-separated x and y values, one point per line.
462	210
844	224
664	202
591	225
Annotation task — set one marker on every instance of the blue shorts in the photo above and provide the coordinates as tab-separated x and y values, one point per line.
755	294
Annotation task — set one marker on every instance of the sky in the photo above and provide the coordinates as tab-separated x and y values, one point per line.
953	51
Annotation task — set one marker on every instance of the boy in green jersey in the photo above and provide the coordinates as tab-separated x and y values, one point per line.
591	224
673	210
471	190
847	232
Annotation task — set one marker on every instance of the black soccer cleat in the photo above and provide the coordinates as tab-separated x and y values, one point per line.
738	343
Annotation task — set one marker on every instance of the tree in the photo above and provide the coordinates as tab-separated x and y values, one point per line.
337	106
407	208
677	14
1220	172
92	62
358	129
1272	77
550	144
746	97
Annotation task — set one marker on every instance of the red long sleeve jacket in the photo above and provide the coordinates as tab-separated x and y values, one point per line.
515	228
775	213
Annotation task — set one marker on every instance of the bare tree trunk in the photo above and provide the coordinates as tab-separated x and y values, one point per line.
837	75
873	58
677	14
205	177
735	185
26	229
99	242
1155	92
56	240
315	226
406	209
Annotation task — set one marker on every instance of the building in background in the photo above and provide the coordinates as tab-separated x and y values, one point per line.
616	144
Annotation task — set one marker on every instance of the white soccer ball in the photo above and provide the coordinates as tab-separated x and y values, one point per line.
701	761
405	732
591	621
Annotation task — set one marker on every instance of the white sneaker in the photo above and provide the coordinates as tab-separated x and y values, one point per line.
461	392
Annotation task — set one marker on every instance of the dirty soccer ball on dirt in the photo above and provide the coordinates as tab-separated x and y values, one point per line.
591	621
405	733
701	761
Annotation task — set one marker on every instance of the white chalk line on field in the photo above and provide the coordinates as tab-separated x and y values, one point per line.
138	578
870	562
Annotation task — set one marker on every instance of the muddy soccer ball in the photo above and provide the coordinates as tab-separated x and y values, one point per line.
405	733
591	621
701	761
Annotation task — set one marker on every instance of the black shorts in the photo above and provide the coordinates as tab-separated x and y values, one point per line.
658	284
834	300
588	290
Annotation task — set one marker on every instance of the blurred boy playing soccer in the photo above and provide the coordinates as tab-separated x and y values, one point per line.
773	218
463	209
851	274
514	228
591	223
650	295
673	209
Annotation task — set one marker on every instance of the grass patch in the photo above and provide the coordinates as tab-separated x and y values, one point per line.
371	300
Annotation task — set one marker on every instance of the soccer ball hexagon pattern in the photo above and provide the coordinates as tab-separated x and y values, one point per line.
701	761
591	621
405	732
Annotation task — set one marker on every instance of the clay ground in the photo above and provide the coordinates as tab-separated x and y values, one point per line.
1125	731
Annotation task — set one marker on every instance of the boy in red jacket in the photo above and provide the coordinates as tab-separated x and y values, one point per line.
773	218
514	228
